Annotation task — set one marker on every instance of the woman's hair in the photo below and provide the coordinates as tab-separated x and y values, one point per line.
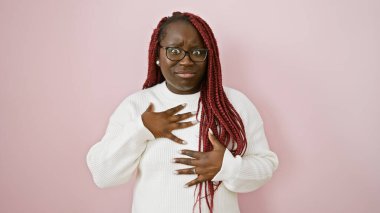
217	112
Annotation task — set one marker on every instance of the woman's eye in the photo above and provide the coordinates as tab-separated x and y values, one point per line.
197	52
174	51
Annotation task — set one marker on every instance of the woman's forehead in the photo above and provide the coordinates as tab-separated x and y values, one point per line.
180	32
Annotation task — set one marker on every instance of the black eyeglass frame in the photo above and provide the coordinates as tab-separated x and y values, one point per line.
186	53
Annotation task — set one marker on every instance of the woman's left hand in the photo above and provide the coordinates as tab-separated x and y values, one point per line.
205	164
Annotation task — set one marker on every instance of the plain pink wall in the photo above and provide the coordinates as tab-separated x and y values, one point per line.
310	66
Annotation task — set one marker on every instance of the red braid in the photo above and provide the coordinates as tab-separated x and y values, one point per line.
217	112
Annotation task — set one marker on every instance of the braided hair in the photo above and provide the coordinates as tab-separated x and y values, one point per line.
217	112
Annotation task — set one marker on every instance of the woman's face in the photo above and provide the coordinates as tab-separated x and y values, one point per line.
184	76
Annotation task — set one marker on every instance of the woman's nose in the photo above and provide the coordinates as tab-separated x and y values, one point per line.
186	60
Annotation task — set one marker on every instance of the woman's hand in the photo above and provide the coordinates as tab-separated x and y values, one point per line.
206	164
161	124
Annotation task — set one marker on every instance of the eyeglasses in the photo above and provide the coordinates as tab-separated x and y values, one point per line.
177	54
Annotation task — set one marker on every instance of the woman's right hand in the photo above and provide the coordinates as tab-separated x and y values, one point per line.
161	124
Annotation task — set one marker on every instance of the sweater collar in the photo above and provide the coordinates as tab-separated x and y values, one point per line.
186	98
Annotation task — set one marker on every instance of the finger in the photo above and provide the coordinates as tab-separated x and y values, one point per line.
150	108
214	141
180	117
195	181
191	153
175	109
189	171
175	139
182	125
186	161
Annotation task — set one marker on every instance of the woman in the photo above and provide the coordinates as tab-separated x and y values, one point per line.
184	129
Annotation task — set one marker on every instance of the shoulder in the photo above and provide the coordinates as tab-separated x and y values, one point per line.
136	98
139	95
243	105
133	105
237	98
235	94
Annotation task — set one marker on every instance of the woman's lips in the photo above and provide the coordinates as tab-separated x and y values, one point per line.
185	74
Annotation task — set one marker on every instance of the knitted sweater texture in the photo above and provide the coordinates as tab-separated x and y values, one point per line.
129	148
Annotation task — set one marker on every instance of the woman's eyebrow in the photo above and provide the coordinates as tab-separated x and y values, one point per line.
180	45
197	45
174	43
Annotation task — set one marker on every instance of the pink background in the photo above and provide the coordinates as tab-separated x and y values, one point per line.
310	66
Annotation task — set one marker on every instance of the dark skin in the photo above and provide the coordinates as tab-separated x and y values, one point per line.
161	124
206	164
183	35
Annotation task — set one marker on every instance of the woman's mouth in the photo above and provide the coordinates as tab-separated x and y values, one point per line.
185	74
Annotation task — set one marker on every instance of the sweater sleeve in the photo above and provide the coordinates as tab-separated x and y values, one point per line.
113	160
253	169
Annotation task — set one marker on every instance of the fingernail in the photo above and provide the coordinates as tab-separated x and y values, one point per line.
173	160
195	122
180	151
194	113
175	172
186	186
210	131
184	142
184	104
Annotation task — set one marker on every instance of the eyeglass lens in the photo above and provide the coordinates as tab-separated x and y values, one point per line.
177	54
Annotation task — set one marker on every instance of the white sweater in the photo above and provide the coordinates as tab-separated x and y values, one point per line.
128	146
